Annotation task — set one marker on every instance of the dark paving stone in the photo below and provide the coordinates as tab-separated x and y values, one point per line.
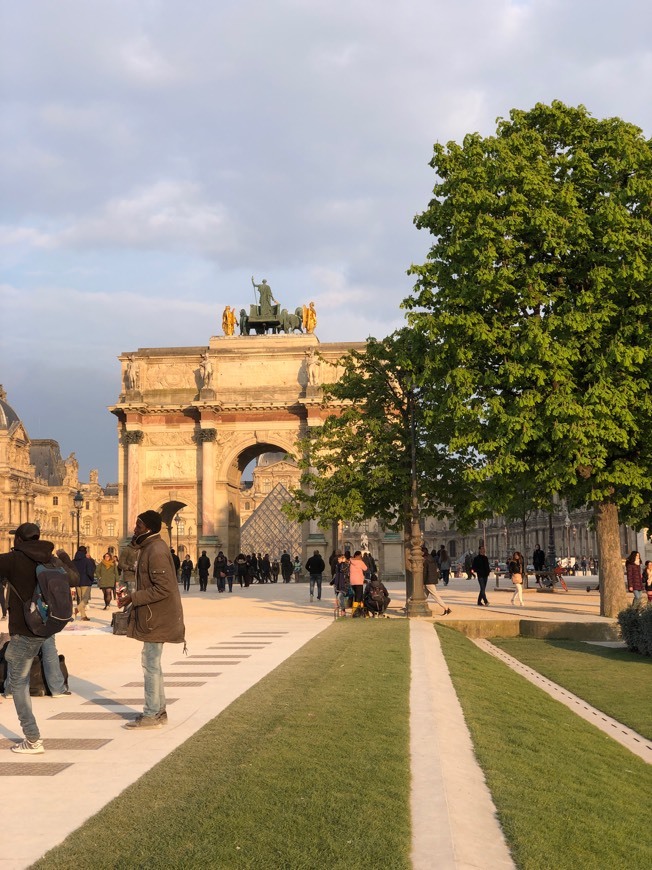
29	768
77	717
123	702
193	674
62	743
177	685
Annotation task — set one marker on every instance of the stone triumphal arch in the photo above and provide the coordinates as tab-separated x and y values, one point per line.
190	419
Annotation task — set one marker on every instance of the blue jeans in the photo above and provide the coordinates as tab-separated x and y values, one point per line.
153	673
19	656
315	578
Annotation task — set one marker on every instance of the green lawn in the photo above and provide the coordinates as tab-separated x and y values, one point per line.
308	769
614	680
568	797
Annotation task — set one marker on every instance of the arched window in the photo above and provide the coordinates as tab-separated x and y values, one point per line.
247	506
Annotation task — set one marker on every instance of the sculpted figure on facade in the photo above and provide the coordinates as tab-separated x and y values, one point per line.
206	370
228	320
309	317
313	366
266	297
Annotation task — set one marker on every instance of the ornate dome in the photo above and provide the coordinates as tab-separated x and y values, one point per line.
7	414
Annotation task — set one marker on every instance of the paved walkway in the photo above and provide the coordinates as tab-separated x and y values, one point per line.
234	641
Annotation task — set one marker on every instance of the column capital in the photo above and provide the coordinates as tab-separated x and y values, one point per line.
205	435
133	436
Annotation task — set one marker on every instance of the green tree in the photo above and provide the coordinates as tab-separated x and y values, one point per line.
359	463
537	285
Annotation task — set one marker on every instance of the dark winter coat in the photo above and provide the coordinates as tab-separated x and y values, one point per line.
19	568
85	568
315	565
157	615
203	564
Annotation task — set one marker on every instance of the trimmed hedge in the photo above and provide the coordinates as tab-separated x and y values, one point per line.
636	628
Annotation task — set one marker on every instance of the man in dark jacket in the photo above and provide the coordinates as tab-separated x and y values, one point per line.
286	566
203	564
480	568
156	616
85	567
19	569
315	567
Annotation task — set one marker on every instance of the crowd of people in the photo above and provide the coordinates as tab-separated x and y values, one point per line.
356	585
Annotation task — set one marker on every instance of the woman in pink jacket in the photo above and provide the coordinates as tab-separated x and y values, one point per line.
357	568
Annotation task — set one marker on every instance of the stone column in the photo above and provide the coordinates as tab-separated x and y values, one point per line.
207	439
132	440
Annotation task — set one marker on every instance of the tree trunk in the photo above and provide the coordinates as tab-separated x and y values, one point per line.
613	597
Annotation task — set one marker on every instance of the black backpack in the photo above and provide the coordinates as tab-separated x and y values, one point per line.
376	591
50	607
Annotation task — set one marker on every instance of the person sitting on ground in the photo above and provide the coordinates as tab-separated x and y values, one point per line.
376	597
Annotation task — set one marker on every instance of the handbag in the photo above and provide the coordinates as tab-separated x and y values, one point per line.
120	621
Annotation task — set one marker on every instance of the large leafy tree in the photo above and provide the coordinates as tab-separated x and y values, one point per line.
537	286
358	464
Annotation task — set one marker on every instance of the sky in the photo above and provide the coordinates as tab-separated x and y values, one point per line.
155	154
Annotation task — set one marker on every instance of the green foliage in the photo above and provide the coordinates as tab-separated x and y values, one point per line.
636	628
358	463
537	287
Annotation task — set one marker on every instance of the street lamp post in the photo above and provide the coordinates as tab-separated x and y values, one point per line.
78	502
567	523
177	520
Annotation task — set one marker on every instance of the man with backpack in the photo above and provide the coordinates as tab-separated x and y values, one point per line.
19	567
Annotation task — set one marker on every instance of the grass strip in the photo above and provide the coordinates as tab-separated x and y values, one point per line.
309	768
567	795
615	681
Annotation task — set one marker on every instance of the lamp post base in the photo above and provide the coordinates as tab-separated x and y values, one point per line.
416	607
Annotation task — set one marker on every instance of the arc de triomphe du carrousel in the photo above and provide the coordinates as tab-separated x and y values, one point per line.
192	418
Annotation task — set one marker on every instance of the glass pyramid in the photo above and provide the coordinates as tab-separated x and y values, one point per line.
268	530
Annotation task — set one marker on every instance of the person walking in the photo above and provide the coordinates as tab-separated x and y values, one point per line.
219	571
515	568
431	579
186	571
176	560
647	581
275	568
341	584
315	567
19	570
286	566
106	573
241	569
296	568
444	565
634	578
156	615
85	568
203	564
480	567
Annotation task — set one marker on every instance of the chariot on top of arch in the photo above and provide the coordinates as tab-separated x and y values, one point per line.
267	315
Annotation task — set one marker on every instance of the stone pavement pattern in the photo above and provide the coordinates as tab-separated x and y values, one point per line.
234	641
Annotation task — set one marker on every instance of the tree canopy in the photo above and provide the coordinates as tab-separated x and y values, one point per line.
357	465
535	299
